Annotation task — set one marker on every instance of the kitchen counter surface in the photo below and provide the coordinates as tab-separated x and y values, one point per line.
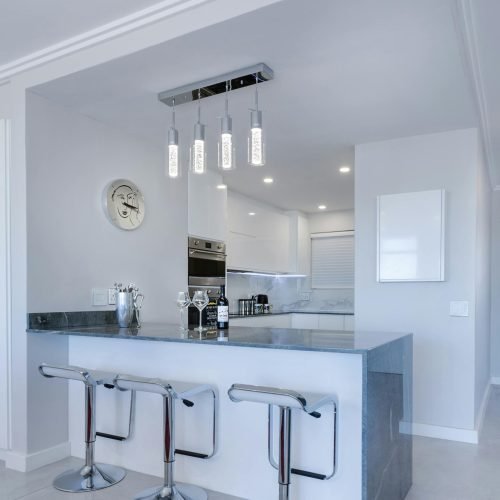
272	338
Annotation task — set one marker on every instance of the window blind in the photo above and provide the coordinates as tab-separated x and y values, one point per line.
332	260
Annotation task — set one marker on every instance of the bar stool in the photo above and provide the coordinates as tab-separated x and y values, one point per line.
93	476
170	391
287	400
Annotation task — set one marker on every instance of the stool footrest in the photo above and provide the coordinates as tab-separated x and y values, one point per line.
111	436
191	454
306	473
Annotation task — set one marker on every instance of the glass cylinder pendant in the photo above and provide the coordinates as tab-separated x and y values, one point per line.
198	152
256	149
226	150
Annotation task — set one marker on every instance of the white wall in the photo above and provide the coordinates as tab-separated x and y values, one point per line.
495	287
444	346
73	247
483	288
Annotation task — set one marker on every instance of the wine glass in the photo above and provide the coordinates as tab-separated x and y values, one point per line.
200	300
183	301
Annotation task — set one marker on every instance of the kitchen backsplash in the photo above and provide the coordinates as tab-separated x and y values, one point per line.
286	294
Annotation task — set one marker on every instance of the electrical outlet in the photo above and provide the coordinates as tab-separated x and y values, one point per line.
99	297
305	295
459	308
111	296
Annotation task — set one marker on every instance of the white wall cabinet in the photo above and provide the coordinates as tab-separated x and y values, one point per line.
258	236
207	206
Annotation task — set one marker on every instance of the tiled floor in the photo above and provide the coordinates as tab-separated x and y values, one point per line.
37	485
447	470
442	470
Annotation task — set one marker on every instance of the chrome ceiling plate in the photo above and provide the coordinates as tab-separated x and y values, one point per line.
217	85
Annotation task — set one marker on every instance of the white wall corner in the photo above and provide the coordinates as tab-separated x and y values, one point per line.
32	461
467	31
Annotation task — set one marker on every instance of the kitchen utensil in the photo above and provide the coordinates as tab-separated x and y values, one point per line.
261	299
124	309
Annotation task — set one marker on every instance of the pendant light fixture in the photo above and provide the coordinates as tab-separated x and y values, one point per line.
226	152
256	152
172	163
198	152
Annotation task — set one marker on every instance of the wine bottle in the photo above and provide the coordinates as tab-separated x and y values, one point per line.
222	310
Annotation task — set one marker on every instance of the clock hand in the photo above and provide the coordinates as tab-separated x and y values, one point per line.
130	206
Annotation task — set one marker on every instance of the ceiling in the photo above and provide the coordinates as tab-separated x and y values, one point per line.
30	25
346	72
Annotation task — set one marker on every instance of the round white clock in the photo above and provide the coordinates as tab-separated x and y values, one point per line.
124	204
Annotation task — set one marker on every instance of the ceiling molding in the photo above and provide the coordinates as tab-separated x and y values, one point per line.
464	18
113	29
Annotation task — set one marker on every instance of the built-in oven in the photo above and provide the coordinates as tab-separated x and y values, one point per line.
206	271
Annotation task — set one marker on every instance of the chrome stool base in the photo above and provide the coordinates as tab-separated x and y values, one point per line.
79	480
180	491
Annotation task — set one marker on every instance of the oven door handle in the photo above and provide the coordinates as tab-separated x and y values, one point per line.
207	255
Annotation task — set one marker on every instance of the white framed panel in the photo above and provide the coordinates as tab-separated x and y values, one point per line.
4	285
410	236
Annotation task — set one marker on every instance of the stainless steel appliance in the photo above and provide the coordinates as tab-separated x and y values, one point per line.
206	271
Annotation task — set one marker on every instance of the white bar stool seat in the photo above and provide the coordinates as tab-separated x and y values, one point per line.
92	476
170	391
287	400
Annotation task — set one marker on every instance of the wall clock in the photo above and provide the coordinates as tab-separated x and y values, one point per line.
124	204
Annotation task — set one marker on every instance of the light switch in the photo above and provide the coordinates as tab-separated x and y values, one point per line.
459	308
99	297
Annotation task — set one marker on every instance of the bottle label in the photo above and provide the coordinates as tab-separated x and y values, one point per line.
222	313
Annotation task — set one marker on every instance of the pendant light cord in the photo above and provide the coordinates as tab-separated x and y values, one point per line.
173	112
199	106
227	99
256	92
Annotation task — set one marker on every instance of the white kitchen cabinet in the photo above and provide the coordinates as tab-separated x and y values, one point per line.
207	207
300	243
307	321
265	321
258	236
331	321
349	322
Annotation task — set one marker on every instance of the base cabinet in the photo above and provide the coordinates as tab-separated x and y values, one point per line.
271	321
333	322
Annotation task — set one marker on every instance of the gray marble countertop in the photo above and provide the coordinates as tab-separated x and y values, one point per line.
272	338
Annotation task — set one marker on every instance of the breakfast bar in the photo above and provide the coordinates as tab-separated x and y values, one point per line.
368	372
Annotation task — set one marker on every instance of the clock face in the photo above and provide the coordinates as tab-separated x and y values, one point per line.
124	204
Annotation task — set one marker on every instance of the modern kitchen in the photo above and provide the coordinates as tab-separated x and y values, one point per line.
226	218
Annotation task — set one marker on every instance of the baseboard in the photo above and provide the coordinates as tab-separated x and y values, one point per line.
32	461
448	433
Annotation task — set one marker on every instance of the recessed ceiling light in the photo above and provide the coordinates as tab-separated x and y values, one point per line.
268	180
322	207
344	170
251	213
221	186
